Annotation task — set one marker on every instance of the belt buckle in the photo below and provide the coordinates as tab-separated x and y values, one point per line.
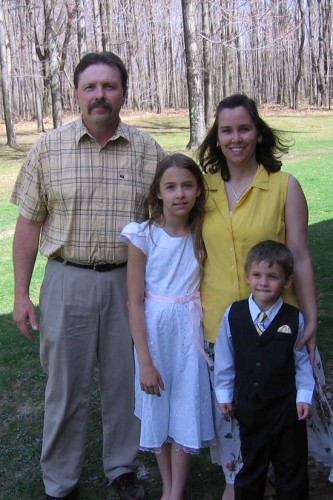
101	267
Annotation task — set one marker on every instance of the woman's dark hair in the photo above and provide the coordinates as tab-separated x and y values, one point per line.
155	204
268	151
108	58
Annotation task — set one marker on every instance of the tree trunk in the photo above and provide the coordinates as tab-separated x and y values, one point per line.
194	80
106	22
5	83
207	64
156	73
54	67
97	26
300	55
81	27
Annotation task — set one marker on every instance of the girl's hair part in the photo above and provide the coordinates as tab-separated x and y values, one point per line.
155	204
272	147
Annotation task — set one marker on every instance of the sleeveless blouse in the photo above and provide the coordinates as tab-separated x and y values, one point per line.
258	216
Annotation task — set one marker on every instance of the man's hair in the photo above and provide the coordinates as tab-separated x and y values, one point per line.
272	252
108	58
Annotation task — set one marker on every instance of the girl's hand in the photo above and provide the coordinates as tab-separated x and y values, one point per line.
151	380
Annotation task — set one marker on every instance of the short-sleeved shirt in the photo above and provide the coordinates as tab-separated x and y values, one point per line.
259	215
86	193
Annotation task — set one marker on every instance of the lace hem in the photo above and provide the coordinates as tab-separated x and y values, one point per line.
179	447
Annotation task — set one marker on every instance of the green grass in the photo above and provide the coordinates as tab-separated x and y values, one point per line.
21	378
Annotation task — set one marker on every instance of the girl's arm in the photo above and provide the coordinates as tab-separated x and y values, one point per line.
296	217
150	379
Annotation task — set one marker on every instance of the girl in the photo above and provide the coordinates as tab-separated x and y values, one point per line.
165	257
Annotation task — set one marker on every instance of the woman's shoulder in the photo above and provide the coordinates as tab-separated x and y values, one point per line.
279	178
213	181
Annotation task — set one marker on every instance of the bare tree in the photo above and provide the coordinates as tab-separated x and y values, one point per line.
5	82
97	26
54	65
81	27
194	79
275	50
299	53
207	64
106	23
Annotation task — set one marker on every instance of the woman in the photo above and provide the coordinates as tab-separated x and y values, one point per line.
249	200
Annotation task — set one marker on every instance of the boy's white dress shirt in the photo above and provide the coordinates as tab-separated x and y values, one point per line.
224	357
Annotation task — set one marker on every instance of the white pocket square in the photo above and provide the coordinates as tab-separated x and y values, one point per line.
284	329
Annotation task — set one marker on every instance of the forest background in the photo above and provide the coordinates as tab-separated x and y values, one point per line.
179	53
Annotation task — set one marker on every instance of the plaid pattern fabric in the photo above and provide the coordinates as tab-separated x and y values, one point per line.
85	193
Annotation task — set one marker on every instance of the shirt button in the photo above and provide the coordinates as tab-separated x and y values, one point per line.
258	364
256	385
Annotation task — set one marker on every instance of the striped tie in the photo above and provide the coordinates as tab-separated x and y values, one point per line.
260	327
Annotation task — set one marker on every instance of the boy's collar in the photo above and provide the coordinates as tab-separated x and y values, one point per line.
271	312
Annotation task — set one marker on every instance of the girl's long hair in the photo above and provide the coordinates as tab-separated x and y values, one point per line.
268	152
155	204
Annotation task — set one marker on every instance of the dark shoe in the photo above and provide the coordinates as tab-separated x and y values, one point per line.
73	495
128	487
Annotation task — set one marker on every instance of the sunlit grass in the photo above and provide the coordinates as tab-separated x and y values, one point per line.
21	378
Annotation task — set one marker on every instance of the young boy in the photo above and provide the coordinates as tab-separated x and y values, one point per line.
262	381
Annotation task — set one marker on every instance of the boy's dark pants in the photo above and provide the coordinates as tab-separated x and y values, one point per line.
271	432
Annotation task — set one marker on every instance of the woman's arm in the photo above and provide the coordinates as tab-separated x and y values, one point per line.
296	217
150	379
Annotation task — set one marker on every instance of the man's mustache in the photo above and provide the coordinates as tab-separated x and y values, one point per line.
100	103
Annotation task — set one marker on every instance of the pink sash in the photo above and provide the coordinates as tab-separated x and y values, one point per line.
196	315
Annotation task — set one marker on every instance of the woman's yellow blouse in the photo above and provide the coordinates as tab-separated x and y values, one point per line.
258	216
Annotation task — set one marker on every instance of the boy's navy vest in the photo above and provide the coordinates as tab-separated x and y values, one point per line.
264	364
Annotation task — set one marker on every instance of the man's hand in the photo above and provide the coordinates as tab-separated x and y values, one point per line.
24	315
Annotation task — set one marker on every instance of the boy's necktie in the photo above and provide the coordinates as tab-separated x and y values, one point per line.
260	326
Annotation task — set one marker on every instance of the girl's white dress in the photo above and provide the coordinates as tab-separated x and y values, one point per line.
183	413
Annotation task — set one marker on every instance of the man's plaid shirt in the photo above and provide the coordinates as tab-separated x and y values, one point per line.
86	193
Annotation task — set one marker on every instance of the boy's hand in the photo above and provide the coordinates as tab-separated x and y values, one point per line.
226	408
303	411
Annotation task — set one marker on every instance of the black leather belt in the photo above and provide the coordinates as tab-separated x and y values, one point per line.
100	267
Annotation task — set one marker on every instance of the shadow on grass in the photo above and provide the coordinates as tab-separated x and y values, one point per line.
320	242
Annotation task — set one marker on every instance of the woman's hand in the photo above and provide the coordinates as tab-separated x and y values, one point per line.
308	339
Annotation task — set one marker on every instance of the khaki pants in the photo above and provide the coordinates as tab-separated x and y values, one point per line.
84	320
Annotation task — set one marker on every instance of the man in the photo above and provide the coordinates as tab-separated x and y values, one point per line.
79	186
